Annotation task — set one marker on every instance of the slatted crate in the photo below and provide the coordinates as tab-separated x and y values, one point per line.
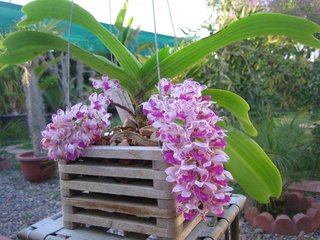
121	188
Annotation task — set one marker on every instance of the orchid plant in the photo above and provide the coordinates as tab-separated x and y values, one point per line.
248	163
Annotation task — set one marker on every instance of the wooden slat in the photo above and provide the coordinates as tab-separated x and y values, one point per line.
160	165
44	230
95	169
197	231
115	221
189	227
124	152
113	188
88	234
113	204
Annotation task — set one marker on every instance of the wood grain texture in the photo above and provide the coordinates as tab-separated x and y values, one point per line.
122	187
100	169
138	207
114	188
124	152
126	223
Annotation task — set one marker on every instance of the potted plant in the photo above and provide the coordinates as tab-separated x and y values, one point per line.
248	163
34	164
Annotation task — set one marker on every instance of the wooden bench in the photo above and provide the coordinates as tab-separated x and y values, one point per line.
212	229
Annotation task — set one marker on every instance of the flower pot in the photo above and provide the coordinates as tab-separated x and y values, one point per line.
36	169
98	190
5	163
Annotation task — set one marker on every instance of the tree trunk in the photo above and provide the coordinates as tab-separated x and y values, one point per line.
34	105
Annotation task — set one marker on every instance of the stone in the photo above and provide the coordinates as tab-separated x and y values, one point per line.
314	214
258	231
4	238
264	221
283	225
302	223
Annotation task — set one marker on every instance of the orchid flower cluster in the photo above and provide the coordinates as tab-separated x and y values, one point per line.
78	127
193	144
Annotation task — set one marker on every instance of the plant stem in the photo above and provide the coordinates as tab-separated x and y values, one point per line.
112	103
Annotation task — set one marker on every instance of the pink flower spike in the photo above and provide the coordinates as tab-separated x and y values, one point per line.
194	146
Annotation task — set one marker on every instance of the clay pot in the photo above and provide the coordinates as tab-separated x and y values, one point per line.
36	169
5	163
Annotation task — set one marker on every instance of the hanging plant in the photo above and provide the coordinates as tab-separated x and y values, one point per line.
249	164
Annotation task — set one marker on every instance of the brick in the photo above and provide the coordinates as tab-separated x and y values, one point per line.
302	223
306	186
283	225
310	200
314	214
293	202
264	221
316	205
304	205
250	213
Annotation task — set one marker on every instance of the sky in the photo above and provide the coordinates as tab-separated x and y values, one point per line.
186	14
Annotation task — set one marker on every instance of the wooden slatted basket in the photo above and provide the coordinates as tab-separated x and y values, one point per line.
121	188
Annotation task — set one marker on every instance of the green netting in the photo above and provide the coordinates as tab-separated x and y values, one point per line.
10	14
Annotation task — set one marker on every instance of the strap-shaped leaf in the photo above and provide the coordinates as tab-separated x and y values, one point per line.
60	9
252	168
150	63
25	45
260	24
234	104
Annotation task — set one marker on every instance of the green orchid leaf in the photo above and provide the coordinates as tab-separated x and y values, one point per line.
121	16
40	10
261	24
25	45
234	104
151	62
252	168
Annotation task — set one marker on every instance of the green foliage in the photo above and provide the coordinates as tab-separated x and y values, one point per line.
302	8
13	132
139	79
288	141
234	104
271	71
12	96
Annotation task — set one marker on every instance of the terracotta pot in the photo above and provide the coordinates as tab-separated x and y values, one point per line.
36	169
5	163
